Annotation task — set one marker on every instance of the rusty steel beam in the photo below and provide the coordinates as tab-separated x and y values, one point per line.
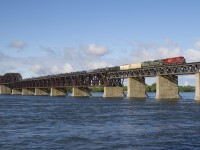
87	80
100	77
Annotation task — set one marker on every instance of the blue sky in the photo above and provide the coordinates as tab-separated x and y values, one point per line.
40	37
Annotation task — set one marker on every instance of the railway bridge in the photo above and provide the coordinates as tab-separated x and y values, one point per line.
111	80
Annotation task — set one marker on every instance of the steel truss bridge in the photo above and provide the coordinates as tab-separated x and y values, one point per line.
95	79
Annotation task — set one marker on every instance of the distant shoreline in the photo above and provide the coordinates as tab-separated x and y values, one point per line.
149	88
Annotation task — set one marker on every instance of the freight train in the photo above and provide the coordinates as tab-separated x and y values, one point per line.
160	62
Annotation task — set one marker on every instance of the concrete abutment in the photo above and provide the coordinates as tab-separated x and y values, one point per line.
167	87
197	86
78	92
41	91
28	91
16	91
110	92
58	92
5	89
136	88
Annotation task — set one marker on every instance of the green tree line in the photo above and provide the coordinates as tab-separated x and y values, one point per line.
152	88
149	88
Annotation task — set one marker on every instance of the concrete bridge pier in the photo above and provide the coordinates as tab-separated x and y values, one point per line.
28	91
110	92
81	91
136	88
197	86
41	91
167	87
58	92
16	91
5	89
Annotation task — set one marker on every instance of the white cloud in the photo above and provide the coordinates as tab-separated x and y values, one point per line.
18	45
192	55
48	70
84	57
166	52
39	69
153	54
68	67
55	70
95	65
186	83
36	68
92	49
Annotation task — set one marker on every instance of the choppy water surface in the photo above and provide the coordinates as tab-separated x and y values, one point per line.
44	122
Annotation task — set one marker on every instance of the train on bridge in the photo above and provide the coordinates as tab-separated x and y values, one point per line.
154	63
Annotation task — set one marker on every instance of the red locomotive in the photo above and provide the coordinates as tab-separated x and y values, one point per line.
174	60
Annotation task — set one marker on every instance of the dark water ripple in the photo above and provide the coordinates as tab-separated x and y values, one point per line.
36	122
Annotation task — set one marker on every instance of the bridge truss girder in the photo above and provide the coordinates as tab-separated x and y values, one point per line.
154	71
83	80
95	79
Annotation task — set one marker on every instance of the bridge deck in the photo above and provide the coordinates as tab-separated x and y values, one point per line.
104	78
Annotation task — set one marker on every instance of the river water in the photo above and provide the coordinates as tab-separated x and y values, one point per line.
44	122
